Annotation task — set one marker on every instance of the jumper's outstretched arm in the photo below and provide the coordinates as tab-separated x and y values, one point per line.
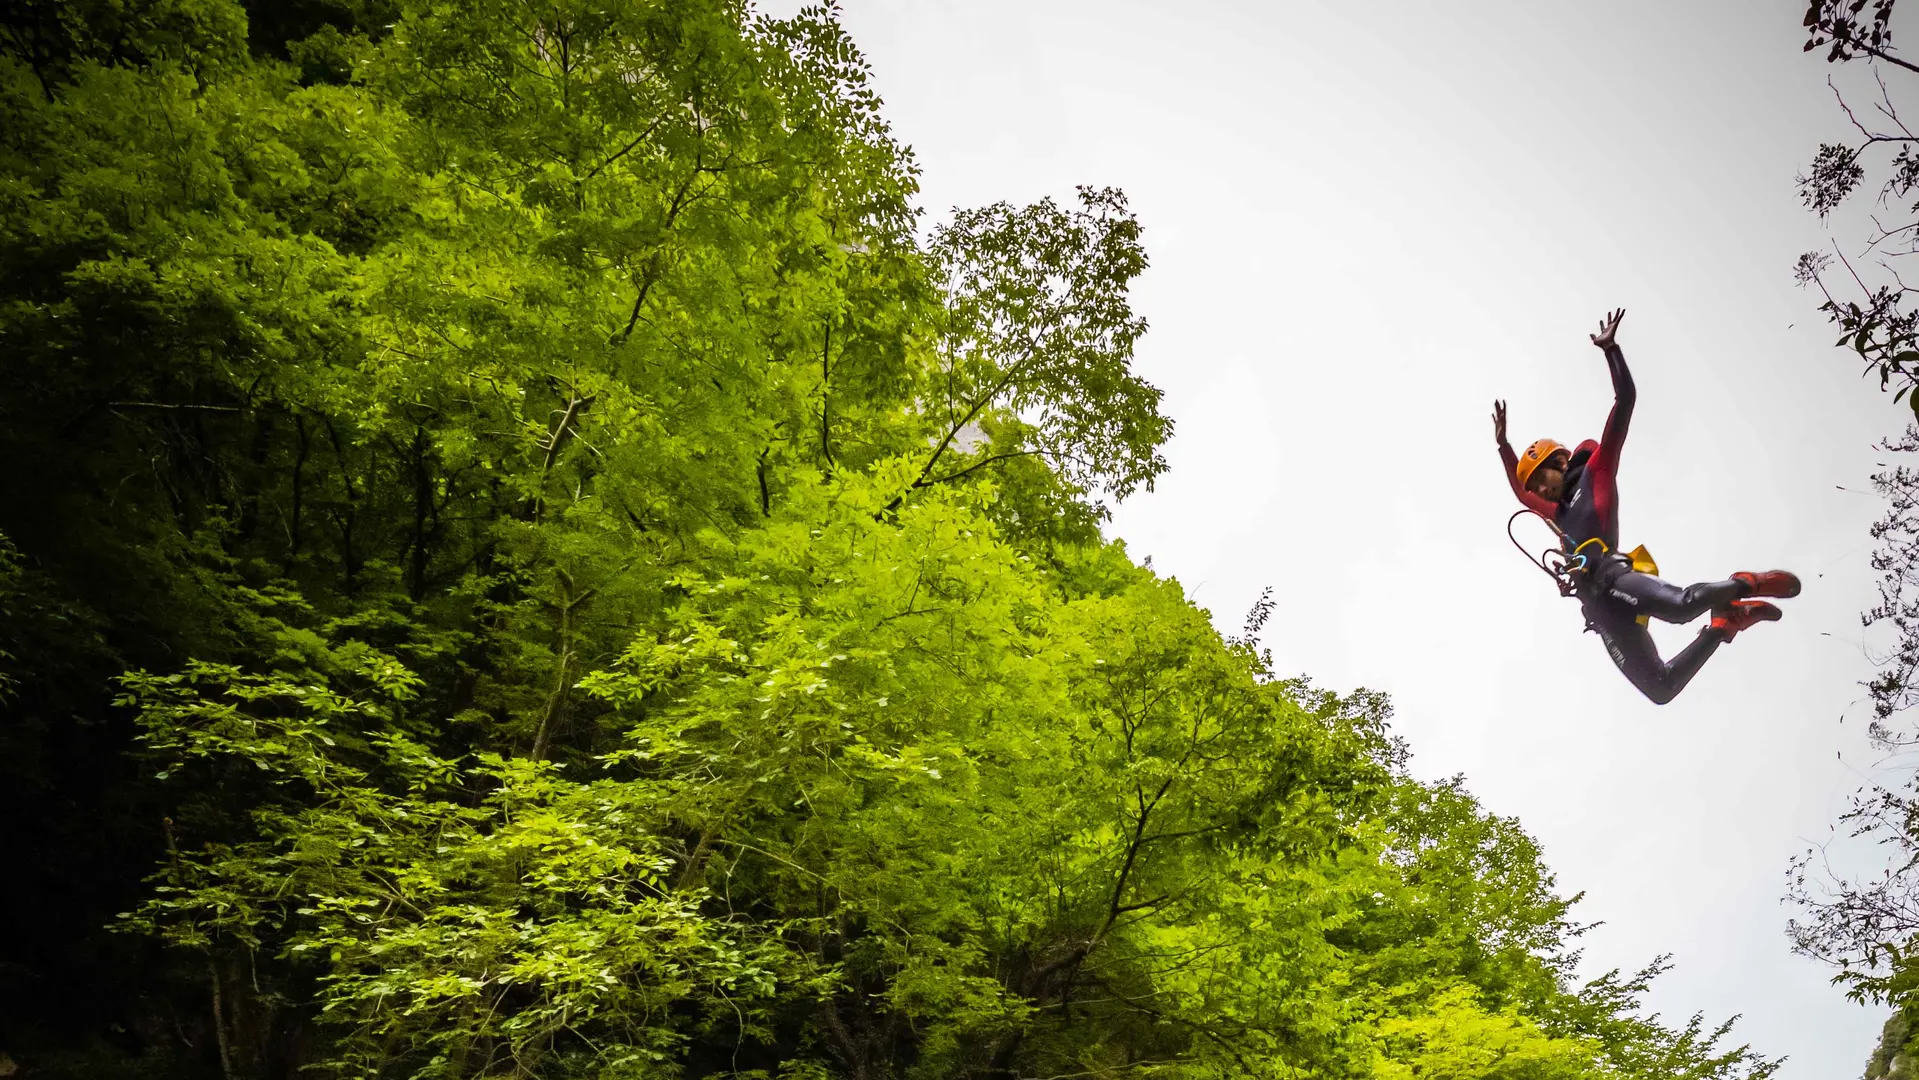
1509	461
1604	467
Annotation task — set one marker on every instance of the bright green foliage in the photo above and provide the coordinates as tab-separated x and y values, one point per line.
1037	321
463	913
1454	1036
1892	1058
570	583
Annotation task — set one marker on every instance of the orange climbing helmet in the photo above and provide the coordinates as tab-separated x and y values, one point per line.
1534	457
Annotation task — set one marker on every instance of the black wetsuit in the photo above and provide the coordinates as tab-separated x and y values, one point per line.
1613	595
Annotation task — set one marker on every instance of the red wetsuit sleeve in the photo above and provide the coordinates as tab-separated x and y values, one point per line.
1604	466
1526	498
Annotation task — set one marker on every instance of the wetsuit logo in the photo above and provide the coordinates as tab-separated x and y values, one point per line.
1618	654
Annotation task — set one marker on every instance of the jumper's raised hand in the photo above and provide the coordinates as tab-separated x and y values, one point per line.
1608	327
1499	422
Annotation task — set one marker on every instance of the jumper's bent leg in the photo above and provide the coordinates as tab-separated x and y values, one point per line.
1648	595
1632	650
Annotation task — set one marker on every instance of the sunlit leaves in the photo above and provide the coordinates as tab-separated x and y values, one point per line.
606	598
1038	324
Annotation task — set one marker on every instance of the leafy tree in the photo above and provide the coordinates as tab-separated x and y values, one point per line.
1874	322
1864	926
522	560
1892	1058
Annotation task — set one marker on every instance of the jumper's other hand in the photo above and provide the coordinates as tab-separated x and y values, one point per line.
1608	327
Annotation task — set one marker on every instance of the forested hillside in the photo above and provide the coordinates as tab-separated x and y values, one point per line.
525	555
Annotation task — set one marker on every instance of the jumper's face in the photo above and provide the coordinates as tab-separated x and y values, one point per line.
1548	481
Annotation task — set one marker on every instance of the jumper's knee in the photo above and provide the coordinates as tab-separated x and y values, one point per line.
1659	688
1658	693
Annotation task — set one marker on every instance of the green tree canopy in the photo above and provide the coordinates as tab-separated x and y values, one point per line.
524	559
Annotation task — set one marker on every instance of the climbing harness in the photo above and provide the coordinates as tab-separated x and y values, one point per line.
1567	567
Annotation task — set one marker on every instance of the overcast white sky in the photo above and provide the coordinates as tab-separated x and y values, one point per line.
1366	221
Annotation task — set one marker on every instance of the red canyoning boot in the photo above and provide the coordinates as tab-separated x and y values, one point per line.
1741	615
1780	583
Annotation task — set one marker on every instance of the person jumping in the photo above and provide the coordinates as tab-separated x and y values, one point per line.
1577	491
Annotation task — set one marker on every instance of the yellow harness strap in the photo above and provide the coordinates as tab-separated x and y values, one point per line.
1581	549
1642	561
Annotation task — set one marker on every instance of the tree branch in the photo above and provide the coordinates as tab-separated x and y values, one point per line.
165	405
1825	27
976	466
625	150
